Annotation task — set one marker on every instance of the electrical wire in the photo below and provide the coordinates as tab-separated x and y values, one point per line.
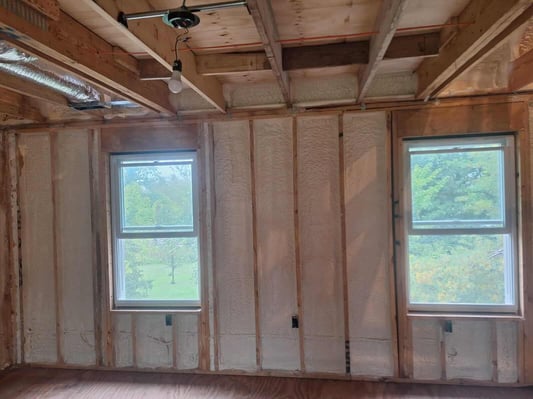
303	39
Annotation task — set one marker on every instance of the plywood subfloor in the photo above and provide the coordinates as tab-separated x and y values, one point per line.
63	384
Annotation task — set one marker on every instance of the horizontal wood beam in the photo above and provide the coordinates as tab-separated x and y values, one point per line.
50	8
157	39
15	104
74	47
265	23
224	64
30	89
522	72
321	56
386	25
152	70
485	20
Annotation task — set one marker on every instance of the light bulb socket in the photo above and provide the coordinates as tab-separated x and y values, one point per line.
177	66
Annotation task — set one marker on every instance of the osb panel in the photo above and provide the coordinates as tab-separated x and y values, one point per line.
146	138
367	243
320	244
275	243
38	271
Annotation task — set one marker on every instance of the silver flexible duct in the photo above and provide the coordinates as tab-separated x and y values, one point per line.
16	62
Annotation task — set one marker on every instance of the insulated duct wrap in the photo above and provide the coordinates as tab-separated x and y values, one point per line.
17	63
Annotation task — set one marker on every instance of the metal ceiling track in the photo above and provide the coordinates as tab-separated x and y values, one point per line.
124	18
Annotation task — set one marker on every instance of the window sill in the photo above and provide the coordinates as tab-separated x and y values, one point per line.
469	316
156	310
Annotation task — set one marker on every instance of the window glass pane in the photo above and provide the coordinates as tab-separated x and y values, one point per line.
159	269
459	189
157	198
461	269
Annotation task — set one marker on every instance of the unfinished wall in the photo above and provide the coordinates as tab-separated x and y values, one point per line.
6	343
301	228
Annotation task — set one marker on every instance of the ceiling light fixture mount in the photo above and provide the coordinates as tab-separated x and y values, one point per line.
180	18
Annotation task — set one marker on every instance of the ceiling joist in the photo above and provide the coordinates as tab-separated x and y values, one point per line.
486	24
75	48
49	8
321	56
16	105
386	25
522	72
29	89
157	40
265	23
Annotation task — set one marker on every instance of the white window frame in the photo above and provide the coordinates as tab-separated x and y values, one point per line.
509	229
118	232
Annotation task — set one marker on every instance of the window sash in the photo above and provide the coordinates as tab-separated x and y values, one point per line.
117	195
117	161
503	143
509	230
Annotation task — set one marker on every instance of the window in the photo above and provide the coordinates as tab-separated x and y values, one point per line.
155	230
460	224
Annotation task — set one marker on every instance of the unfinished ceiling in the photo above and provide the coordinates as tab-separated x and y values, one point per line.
269	54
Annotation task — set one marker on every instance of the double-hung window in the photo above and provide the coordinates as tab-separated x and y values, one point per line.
459	203
155	230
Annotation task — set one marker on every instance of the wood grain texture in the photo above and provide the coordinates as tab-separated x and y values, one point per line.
234	247
463	119
475	350
38	290
137	138
6	338
367	238
320	244
275	237
59	384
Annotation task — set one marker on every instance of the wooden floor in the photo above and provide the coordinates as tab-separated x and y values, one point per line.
74	384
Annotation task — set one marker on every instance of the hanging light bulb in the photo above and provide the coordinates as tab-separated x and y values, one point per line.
174	84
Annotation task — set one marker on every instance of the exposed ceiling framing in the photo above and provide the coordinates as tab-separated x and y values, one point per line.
71	45
17	106
386	25
322	55
263	16
522	72
484	20
157	40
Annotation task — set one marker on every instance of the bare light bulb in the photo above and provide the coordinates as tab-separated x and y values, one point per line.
174	84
